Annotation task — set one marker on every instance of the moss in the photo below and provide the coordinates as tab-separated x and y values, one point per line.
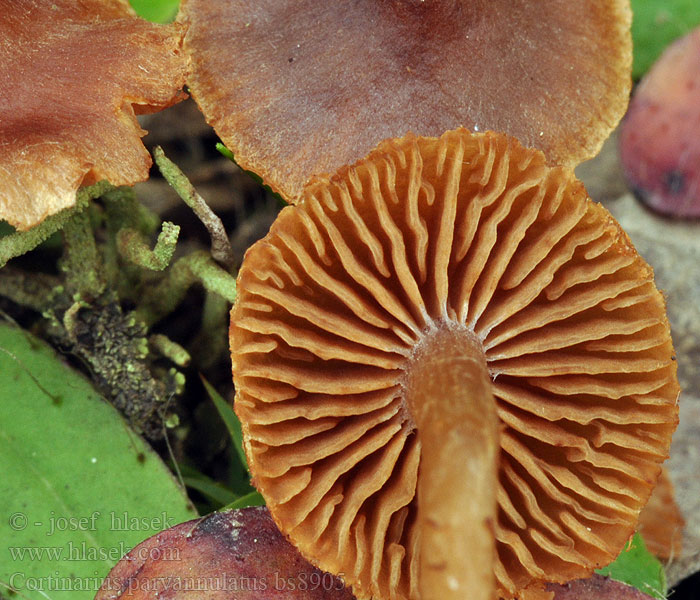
112	344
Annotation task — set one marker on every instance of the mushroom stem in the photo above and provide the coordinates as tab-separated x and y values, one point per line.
449	397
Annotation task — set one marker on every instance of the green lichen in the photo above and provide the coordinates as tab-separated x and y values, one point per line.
114	283
171	350
220	246
81	261
133	247
111	344
198	267
21	242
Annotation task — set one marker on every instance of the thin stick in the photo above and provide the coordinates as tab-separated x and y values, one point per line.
220	245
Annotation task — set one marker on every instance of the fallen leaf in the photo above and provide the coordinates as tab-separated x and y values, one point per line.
636	566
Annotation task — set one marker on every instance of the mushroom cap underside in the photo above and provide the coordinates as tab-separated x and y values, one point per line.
468	231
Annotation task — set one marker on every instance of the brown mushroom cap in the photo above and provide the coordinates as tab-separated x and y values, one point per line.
301	88
470	236
661	522
72	74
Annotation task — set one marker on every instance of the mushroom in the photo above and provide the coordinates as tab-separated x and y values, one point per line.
661	522
73	75
449	344
300	88
660	134
227	555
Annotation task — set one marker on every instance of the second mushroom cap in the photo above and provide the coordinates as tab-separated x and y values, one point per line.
73	76
301	88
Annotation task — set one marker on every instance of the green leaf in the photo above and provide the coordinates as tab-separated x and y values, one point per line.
78	488
252	499
637	567
158	11
230	419
224	151
656	24
214	491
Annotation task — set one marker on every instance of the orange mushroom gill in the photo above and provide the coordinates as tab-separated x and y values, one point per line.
453	371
